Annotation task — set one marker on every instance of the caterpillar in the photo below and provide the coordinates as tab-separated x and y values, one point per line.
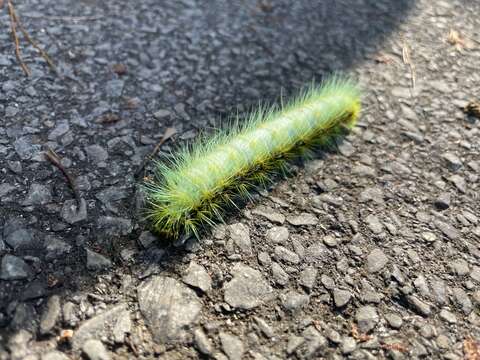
197	185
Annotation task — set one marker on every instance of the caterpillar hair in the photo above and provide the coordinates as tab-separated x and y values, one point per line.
196	187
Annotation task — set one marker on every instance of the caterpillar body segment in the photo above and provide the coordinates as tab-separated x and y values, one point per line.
203	180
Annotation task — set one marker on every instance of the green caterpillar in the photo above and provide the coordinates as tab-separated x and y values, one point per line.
202	180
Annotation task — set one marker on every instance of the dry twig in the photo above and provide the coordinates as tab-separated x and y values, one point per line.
13	27
358	336
395	346
14	24
35	45
55	160
131	345
471	349
169	132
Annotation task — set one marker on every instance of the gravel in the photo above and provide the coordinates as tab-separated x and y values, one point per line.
376	260
366	318
277	234
19	238
197	277
308	277
202	342
50	315
55	248
240	236
96	261
303	219
247	289
442	202
286	255
169	307
95	350
101	325
394	320
72	212
96	154
232	346
280	276
374	224
341	297
54	355
13	268
293	300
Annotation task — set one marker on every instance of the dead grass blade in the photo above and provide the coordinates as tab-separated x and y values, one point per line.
407	60
459	41
471	349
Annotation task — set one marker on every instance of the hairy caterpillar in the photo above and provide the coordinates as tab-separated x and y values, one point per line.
203	179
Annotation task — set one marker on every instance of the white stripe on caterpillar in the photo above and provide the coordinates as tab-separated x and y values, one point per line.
207	177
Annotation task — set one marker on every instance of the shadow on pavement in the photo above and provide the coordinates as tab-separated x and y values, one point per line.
210	56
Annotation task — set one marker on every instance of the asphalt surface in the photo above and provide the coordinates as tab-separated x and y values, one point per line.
370	251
